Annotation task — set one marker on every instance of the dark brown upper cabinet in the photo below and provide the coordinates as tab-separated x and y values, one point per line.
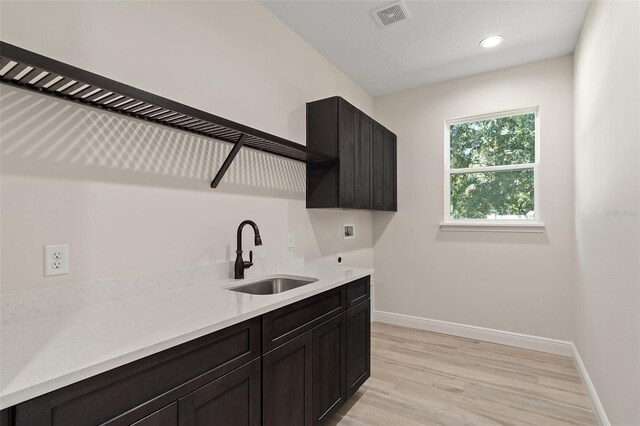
364	176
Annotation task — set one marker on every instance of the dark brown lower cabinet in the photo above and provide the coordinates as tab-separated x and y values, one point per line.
232	400
127	394
358	346
167	416
329	367
287	383
315	354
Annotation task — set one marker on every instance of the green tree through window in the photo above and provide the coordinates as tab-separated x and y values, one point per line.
492	168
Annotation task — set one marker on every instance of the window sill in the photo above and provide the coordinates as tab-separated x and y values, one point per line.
528	228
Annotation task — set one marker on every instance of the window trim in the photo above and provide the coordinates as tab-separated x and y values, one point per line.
502	225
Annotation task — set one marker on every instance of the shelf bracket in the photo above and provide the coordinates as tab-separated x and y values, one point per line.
227	162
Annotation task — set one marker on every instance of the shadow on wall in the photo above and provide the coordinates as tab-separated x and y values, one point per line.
47	137
380	222
327	227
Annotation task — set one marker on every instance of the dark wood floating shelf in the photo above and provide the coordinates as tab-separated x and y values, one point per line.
29	70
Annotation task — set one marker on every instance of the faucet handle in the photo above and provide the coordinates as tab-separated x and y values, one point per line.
249	264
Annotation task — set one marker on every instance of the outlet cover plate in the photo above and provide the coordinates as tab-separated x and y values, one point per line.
56	260
339	258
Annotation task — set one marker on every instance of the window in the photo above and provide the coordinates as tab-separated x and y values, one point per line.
491	169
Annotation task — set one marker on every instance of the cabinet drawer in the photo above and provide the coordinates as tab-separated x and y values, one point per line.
286	323
358	291
129	393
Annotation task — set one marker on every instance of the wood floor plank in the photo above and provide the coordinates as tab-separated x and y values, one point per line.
424	378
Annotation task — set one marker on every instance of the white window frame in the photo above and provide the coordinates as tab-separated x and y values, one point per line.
506	225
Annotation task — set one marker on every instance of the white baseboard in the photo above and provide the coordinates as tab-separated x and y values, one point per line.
542	344
596	405
525	341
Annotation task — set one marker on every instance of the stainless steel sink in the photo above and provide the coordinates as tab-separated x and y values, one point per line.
274	285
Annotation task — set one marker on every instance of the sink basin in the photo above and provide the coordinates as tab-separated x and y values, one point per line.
273	285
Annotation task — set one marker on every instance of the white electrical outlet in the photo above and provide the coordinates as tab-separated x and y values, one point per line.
56	260
339	258
291	240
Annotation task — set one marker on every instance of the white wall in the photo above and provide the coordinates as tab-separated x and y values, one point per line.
508	281
129	197
607	156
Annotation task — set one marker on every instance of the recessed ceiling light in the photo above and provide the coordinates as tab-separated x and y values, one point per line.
491	41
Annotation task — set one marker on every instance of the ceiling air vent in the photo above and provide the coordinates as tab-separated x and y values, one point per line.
390	14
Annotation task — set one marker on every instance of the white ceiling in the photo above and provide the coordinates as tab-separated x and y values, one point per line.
438	43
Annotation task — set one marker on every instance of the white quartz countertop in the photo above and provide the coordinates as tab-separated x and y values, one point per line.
50	351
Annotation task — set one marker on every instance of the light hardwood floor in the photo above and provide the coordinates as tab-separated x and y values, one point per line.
424	378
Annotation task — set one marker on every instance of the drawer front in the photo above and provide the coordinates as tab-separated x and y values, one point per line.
284	324
131	392
358	291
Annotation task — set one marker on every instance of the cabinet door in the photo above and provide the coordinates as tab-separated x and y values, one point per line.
384	169
286	392
363	161
347	150
167	416
358	346
232	400
329	367
390	172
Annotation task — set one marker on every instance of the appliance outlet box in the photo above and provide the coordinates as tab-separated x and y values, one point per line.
348	231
